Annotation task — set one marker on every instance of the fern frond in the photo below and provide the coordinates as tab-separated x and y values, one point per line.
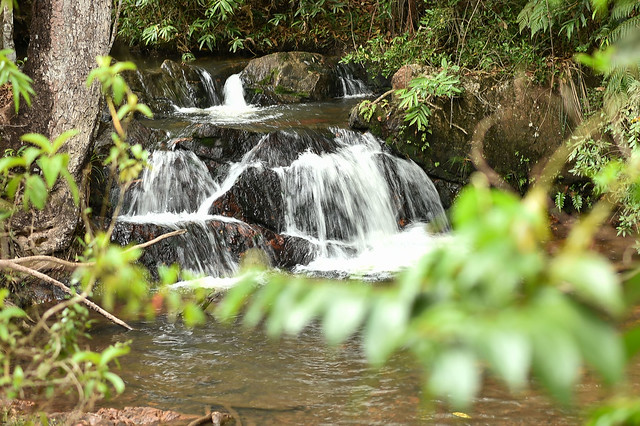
623	9
625	29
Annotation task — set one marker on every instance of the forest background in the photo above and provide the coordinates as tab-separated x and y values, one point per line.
593	44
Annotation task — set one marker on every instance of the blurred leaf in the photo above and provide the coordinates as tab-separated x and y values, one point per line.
385	327
455	376
592	278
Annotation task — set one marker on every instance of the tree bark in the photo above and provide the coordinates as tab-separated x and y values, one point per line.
66	37
7	32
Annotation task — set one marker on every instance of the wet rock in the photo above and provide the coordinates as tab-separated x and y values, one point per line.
171	85
256	197
281	148
125	416
288	77
213	247
216	143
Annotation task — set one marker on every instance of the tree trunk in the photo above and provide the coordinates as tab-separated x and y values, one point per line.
66	37
7	32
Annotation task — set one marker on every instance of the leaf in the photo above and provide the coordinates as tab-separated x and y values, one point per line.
385	328
193	315
602	347
592	278
509	354
35	192
116	381
51	167
344	315
62	138
556	361
112	353
455	375
72	184
39	141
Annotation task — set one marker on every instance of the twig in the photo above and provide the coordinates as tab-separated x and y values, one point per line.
156	239
51	259
9	264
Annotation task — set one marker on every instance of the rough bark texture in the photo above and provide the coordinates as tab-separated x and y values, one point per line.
7	32
66	37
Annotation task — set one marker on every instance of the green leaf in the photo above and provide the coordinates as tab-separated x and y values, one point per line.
62	138
116	381
455	375
509	354
344	315
51	167
72	184
556	361
592	278
193	315
112	353
39	141
385	328
35	192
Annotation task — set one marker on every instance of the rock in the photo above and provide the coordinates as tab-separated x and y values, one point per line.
256	197
288	77
213	247
281	148
216	143
171	85
529	127
125	416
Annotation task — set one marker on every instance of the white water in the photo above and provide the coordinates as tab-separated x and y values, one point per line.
352	87
234	109
345	201
176	182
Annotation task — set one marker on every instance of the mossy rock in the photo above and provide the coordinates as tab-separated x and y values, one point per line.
289	77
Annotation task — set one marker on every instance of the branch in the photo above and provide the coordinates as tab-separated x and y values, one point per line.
10	264
157	239
51	259
477	152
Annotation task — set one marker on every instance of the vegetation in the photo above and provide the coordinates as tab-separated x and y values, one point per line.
491	299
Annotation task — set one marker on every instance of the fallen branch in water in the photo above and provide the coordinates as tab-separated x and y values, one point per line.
215	418
52	262
10	264
157	239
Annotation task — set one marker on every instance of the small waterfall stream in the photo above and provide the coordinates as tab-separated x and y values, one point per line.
333	197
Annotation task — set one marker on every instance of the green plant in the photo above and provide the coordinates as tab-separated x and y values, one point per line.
417	100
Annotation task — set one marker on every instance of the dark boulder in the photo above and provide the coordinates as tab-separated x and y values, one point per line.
288	77
213	247
256	197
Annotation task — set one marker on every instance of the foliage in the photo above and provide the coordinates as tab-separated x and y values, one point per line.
417	100
489	297
20	83
47	356
238	25
475	35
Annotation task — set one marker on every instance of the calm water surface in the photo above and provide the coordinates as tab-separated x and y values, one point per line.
299	381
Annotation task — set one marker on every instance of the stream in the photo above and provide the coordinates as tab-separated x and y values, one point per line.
344	206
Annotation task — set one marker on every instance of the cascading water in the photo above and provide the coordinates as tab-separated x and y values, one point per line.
350	85
342	201
234	93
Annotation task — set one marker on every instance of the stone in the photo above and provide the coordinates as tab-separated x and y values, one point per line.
288	77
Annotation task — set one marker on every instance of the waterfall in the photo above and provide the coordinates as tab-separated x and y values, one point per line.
176	182
350	85
234	93
209	86
350	197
